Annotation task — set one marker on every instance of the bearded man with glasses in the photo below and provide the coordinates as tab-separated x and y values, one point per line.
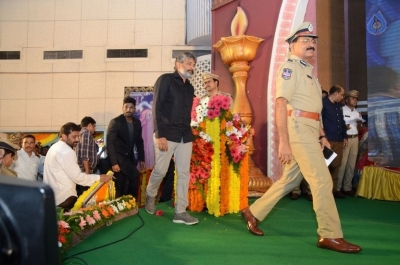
172	105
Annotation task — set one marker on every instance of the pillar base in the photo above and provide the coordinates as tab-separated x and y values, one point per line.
258	182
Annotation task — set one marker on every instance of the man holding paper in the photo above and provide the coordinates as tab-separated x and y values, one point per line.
335	131
298	106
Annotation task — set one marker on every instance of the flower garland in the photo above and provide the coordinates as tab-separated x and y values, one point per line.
72	223
213	193
234	187
224	174
200	163
238	134
98	192
227	136
244	182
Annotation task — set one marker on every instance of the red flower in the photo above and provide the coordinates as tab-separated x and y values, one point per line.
62	239
200	163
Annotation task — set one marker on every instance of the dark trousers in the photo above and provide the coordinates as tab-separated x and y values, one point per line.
68	204
126	184
81	189
334	167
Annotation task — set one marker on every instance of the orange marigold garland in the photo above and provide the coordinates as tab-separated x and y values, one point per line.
224	173
244	182
234	187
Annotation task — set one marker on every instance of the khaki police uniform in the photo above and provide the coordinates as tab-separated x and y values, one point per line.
219	93
296	83
206	76
8	145
7	171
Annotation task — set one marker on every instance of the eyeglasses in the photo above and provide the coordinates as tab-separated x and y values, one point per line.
308	41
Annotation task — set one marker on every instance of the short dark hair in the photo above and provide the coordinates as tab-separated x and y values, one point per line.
29	136
68	128
86	121
334	89
129	100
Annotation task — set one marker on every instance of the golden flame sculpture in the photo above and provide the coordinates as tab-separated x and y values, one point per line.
237	51
239	23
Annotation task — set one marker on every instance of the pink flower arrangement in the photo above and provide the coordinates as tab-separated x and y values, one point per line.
218	105
90	220
82	223
93	216
63	224
96	215
209	108
238	133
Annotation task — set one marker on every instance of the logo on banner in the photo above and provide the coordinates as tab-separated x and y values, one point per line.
377	24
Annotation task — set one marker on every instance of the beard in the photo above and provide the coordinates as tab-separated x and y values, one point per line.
71	144
186	74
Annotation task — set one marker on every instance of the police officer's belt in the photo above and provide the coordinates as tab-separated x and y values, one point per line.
304	114
352	135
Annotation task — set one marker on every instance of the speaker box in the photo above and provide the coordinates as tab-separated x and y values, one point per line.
28	223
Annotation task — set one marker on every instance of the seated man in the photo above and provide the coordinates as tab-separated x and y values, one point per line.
61	170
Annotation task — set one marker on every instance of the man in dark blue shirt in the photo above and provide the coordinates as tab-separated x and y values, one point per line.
172	106
335	130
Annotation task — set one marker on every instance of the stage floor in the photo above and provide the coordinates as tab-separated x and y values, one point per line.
290	237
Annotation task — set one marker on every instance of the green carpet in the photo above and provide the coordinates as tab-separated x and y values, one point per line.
290	237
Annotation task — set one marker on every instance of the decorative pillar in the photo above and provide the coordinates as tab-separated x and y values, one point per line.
237	51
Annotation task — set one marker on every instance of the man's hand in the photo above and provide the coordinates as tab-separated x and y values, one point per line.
116	168
285	153
325	142
142	165
106	178
162	144
345	144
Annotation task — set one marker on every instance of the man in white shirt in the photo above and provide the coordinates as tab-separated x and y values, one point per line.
352	118
27	165
61	170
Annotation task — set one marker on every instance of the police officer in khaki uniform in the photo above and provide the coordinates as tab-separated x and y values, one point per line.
8	154
298	106
211	84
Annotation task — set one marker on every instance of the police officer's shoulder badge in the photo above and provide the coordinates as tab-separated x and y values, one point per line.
302	62
287	73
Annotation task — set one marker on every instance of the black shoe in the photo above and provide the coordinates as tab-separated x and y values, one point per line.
338	195
350	193
294	196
